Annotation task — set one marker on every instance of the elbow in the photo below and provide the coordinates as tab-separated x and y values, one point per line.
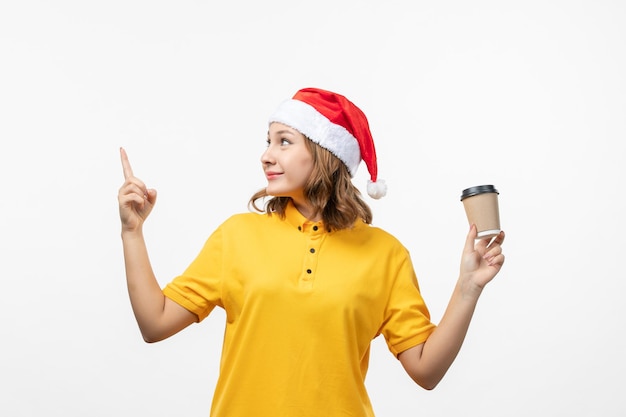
423	374
428	381
149	340
151	337
427	384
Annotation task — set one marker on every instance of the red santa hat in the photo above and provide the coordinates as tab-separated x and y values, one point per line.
336	124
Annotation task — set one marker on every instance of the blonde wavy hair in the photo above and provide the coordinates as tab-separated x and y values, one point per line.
329	190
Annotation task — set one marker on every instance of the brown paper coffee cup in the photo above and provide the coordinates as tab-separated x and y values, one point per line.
481	208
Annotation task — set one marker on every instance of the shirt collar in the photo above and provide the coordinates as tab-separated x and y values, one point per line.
297	220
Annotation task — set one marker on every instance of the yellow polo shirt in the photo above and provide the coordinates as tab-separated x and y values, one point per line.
302	306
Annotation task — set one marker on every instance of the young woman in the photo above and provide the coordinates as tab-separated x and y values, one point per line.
307	282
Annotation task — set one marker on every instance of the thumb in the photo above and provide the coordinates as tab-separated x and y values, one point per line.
152	195
471	237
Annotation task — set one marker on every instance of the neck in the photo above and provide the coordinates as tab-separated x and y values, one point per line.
307	210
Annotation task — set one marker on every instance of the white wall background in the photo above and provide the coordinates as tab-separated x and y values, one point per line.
528	96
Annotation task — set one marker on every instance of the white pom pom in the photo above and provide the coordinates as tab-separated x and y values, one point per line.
376	189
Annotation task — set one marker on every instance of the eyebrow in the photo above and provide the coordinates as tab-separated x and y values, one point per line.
283	131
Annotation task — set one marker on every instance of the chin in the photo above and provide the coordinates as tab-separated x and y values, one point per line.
276	193
272	193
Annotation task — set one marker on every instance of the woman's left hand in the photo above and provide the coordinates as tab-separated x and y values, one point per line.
482	259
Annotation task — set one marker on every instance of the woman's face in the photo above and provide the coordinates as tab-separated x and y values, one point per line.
287	162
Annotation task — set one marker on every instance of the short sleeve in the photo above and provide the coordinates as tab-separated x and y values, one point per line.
199	288
407	319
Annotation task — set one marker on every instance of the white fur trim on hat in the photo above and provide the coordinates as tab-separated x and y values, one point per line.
315	126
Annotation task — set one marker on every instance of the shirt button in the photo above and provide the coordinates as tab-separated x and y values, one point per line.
308	271
312	250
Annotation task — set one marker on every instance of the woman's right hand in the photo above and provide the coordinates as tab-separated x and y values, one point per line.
135	200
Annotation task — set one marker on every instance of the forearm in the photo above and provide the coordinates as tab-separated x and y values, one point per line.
442	347
145	294
428	364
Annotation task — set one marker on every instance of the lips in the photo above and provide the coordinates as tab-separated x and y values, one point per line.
270	175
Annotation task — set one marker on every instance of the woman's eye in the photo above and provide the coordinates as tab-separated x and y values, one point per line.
282	141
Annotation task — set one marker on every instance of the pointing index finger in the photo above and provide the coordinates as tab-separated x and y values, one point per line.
128	171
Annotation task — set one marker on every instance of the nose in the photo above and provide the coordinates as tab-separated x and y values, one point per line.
267	157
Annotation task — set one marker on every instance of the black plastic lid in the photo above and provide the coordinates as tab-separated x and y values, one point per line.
479	189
